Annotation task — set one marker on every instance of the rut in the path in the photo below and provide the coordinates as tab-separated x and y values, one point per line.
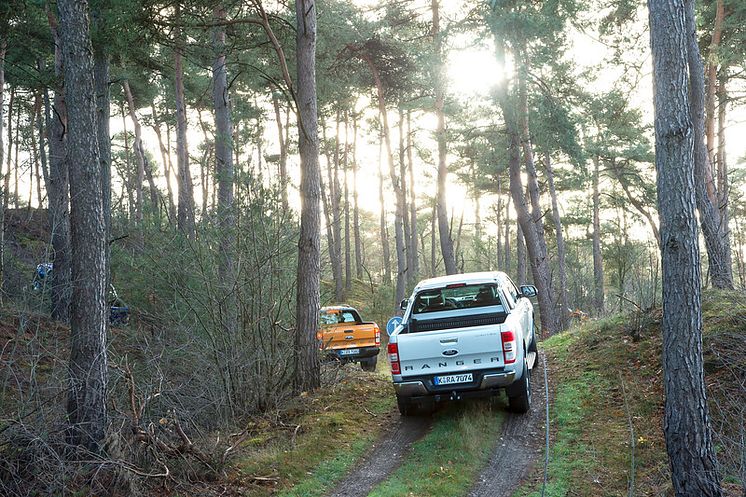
518	447
385	456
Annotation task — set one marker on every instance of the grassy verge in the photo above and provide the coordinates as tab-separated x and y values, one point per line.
603	380
337	425
446	461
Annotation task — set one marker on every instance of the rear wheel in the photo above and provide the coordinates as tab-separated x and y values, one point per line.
369	364
519	393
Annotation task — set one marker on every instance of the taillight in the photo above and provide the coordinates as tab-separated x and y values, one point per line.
509	345
378	337
394	358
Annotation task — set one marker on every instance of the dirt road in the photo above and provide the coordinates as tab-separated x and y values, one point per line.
518	448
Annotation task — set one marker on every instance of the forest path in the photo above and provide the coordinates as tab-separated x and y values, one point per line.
519	445
384	457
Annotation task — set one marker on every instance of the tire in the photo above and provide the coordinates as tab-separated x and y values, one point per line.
532	346
369	364
519	393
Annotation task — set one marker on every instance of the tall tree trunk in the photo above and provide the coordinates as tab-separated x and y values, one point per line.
723	181
185	216
283	152
16	166
59	213
714	231
167	166
506	251
139	153
406	232
711	70
537	254
564	305
520	254
446	243
224	174
103	116
414	261
433	225
384	224
86	408
336	196
598	263
356	211
347	248
694	469
42	171
3	51
331	217
6	175
307	369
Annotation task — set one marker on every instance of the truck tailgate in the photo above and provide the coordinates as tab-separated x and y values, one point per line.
447	351
348	335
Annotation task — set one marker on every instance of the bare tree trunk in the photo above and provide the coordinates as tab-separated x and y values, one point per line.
103	116
283	152
712	70
406	232
384	224
520	254
42	150
537	252
506	251
694	469
3	51
562	299
6	176
598	263
433	225
714	231
167	166
307	369
723	181
347	248
15	162
330	218
139	154
414	260
224	173
446	243
356	211
336	197
59	213
86	408
185	216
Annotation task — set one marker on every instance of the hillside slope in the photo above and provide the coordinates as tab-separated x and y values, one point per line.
607	414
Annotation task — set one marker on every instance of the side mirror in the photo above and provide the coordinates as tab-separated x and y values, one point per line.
403	304
528	291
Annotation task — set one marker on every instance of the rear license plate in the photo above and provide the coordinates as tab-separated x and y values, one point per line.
349	351
453	378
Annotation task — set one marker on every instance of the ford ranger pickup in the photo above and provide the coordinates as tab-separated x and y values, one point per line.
464	335
344	336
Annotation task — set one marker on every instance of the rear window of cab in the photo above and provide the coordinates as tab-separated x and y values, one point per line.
338	316
457	297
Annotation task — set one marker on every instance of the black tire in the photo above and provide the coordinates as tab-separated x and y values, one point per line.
519	393
532	346
369	365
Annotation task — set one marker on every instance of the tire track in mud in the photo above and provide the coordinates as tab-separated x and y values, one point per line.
386	454
518	447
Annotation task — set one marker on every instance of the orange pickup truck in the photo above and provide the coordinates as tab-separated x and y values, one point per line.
345	337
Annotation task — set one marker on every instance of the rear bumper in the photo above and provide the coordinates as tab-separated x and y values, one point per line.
365	353
485	383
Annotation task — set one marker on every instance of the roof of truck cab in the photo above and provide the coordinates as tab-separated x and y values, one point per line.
337	308
468	278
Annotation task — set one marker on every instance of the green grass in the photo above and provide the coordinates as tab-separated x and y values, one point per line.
337	425
447	460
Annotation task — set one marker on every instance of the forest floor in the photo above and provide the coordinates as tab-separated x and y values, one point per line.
606	407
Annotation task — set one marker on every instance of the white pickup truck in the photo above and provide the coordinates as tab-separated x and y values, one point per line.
464	335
